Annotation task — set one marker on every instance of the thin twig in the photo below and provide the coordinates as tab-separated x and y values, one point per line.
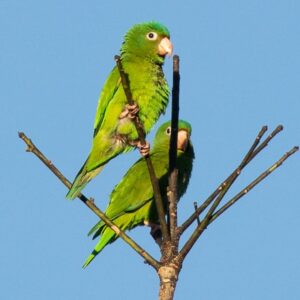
141	135
253	147
89	203
233	175
196	207
265	143
233	178
173	171
203	225
252	184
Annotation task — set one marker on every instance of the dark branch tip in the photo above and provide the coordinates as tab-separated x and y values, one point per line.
263	130
279	127
21	134
176	63
176	58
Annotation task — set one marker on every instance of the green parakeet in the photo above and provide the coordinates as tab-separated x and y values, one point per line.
142	54
132	200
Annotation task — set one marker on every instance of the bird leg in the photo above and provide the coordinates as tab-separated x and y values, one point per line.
130	111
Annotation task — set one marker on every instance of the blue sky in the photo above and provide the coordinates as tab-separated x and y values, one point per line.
240	70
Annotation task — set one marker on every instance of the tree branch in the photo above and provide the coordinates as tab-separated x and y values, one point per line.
196	207
168	276
209	218
232	177
90	203
253	184
141	135
173	171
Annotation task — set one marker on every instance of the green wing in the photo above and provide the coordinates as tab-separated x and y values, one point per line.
132	192
130	204
92	165
109	90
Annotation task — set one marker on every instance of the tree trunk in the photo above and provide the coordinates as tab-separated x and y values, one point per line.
168	276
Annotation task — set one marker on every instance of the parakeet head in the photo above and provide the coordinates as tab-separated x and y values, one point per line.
149	40
163	135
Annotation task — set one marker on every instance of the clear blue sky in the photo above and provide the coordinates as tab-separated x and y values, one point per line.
240	67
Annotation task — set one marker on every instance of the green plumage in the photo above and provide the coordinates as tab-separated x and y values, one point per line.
112	135
131	202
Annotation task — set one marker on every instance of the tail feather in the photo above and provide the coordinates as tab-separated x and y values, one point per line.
107	237
124	222
97	228
81	180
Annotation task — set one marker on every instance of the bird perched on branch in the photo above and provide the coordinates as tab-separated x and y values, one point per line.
132	200
142	55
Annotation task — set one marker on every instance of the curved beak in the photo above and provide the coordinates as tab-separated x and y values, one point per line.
182	140
165	47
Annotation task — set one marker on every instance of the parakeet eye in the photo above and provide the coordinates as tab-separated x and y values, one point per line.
152	36
168	131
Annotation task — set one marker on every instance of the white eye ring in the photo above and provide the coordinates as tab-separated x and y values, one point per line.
152	36
168	131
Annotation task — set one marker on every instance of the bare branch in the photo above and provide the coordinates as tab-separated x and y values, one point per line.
196	207
265	143
253	147
228	184
209	219
173	171
253	184
141	135
232	177
90	203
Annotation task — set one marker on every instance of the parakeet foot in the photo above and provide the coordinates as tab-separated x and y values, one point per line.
130	111
144	149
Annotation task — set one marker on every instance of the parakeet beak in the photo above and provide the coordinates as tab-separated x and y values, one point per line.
182	140
165	47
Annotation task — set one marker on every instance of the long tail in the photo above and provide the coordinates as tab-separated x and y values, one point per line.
97	229
108	236
82	179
